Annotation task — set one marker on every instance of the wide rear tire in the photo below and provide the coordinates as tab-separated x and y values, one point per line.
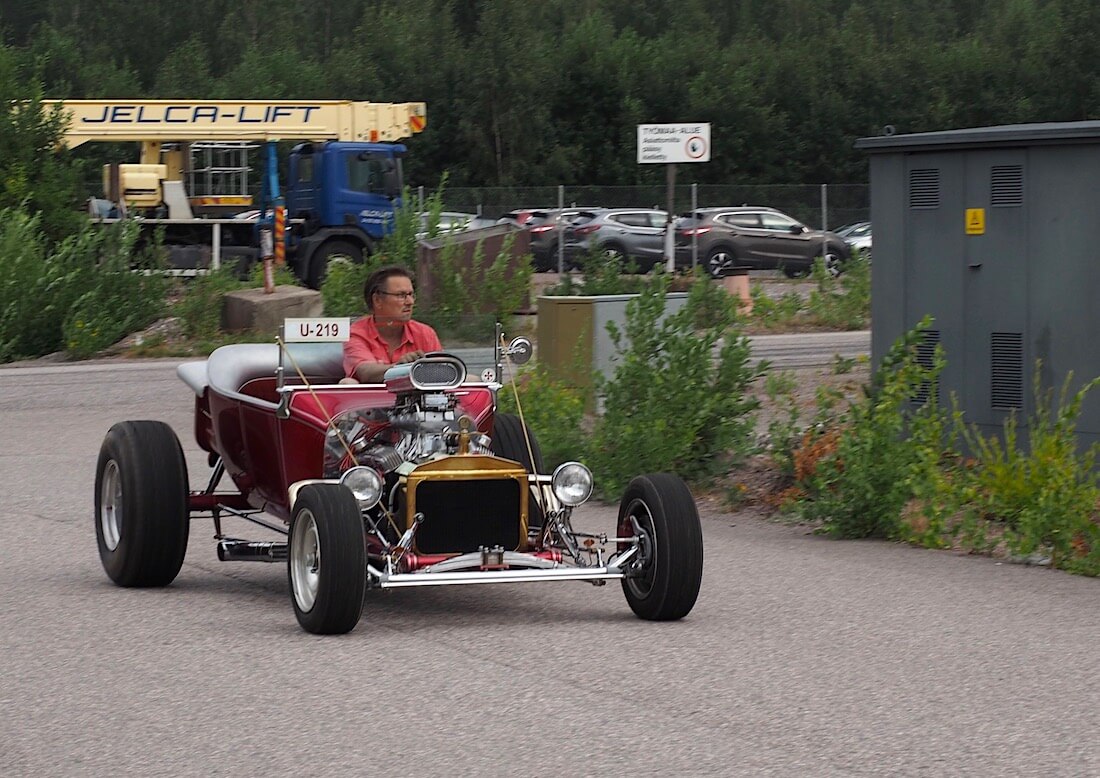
327	560
664	578
141	516
508	442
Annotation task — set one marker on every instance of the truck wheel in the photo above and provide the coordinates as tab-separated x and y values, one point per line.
331	252
141	516
508	442
663	579
327	560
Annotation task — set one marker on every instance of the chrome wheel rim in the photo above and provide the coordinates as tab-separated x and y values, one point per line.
718	262
832	264
641	522
110	506
305	561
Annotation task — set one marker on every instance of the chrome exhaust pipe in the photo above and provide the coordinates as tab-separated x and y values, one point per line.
251	551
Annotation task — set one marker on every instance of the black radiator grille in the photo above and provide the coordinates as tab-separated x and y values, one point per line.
1007	364
926	351
924	188
462	516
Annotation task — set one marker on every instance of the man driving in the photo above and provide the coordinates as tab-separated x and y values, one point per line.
387	335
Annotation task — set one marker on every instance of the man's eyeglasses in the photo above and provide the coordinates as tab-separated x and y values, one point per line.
402	295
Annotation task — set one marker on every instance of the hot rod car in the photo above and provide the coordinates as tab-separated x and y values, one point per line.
414	482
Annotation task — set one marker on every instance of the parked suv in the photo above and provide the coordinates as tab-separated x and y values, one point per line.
546	228
755	237
632	235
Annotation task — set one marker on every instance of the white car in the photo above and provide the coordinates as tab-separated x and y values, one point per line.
858	236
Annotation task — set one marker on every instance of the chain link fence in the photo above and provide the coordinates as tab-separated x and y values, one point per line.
815	205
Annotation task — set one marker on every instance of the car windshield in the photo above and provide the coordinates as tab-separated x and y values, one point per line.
854	230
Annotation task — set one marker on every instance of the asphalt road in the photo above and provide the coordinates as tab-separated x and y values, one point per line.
803	656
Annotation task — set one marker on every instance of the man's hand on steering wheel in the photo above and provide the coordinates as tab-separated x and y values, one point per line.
412	356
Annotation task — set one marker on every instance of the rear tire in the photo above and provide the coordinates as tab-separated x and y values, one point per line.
508	442
141	515
834	262
664	578
327	560
719	260
613	252
549	262
332	251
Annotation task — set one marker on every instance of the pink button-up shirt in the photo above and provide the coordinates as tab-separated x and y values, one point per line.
366	345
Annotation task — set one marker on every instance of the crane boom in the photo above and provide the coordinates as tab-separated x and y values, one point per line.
238	120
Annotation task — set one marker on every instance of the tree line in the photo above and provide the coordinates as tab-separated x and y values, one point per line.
523	94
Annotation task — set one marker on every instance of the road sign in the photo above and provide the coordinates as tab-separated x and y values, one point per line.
671	143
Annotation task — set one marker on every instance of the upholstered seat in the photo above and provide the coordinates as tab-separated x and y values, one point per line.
229	368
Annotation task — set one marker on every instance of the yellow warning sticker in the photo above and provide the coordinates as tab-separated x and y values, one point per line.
975	221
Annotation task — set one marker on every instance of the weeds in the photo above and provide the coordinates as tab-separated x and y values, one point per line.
842	302
860	471
88	291
1043	490
670	405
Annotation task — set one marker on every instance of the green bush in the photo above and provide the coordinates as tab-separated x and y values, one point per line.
470	298
671	405
1043	491
553	410
90	290
127	291
600	274
875	457
342	289
842	302
774	313
38	175
200	307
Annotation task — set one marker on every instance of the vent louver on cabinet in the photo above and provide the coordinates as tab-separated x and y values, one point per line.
924	188
1006	186
926	351
1006	379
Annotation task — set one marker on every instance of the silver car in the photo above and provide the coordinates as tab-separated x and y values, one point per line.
634	236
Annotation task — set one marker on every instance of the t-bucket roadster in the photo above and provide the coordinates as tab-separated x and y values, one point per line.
414	482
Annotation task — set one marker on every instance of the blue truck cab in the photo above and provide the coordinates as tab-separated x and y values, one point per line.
346	194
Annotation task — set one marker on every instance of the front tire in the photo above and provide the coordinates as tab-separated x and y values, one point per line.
332	251
834	262
664	578
141	515
327	560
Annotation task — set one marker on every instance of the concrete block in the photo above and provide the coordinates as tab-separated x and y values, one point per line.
251	309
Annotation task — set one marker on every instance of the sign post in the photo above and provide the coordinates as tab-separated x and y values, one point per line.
670	144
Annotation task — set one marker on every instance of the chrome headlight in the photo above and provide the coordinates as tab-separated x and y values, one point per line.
365	483
572	483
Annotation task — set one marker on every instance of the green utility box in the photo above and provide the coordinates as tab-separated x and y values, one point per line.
573	341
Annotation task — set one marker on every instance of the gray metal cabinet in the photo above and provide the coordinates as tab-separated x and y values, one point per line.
995	232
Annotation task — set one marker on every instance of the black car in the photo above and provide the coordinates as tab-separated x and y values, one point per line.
547	226
755	237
